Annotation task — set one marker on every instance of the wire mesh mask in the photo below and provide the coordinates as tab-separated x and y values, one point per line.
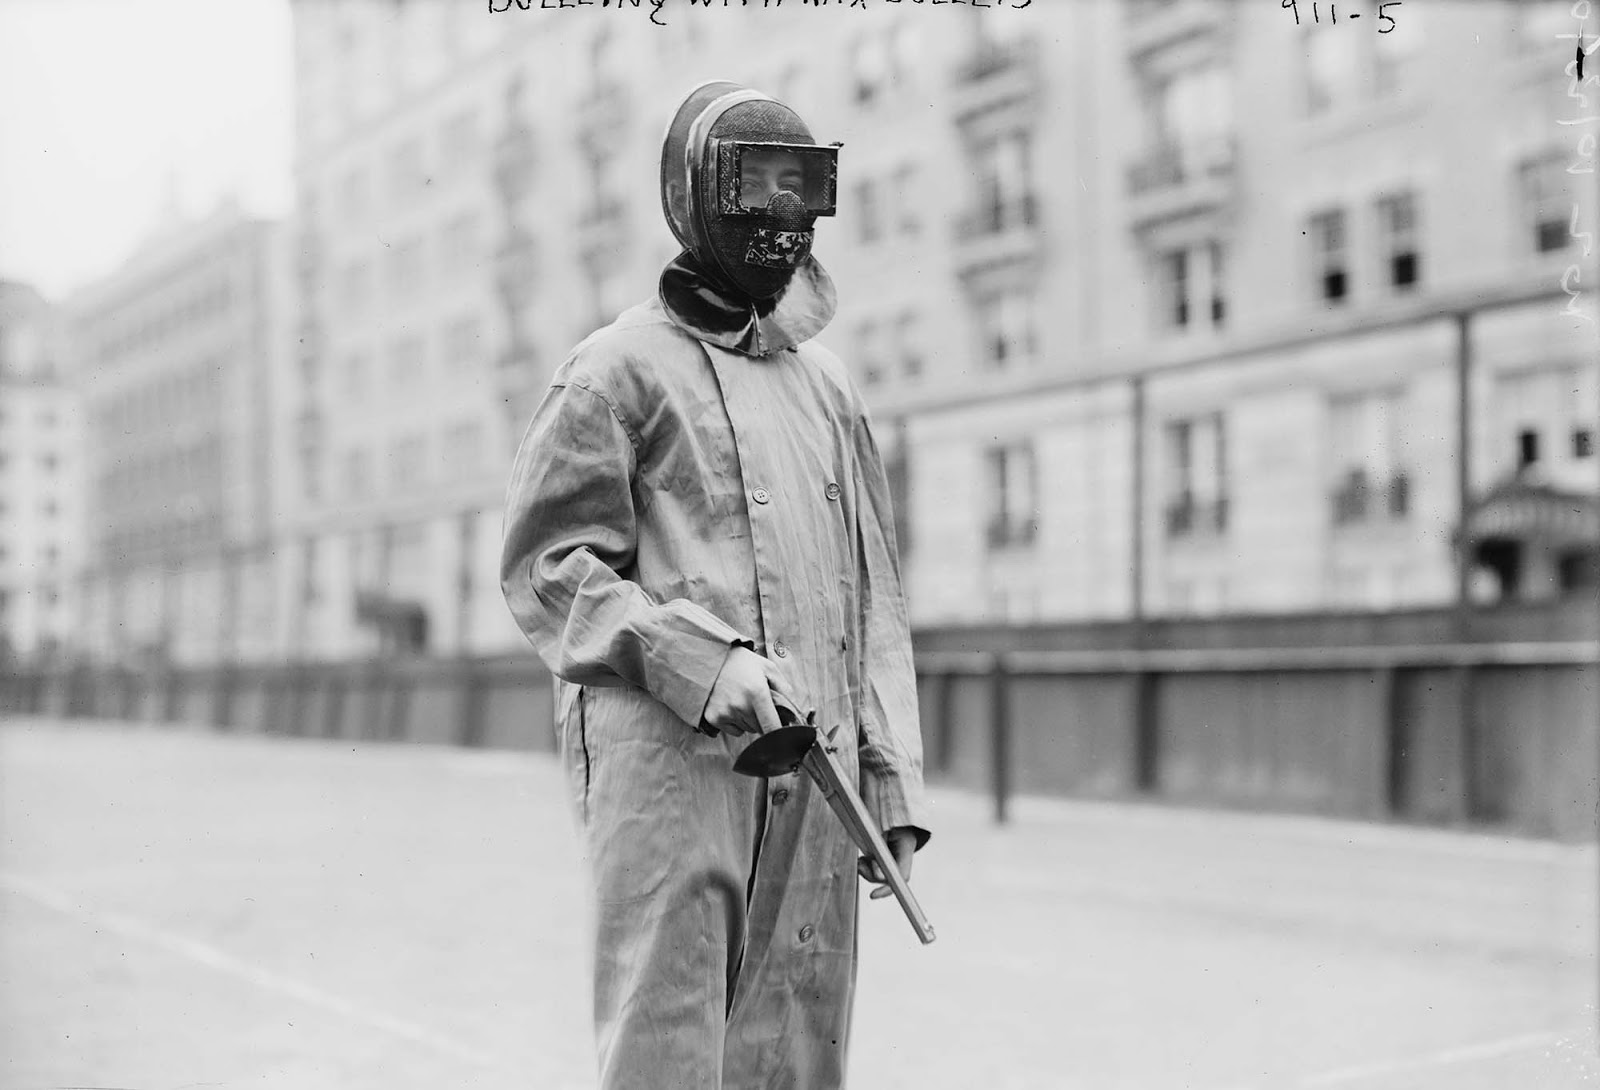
755	253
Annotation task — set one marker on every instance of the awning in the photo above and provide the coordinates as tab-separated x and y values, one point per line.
1527	512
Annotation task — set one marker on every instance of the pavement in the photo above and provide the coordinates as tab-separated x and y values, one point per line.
182	908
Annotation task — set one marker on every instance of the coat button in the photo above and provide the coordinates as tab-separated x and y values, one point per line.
806	932
832	490
844	643
761	495
780	796
780	650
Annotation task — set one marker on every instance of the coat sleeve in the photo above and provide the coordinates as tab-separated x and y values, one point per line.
891	734
570	532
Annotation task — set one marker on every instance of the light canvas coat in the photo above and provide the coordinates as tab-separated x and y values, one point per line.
668	500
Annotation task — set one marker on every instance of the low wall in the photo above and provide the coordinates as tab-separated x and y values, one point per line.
1496	735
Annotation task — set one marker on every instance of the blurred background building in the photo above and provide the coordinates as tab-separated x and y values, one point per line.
173	355
41	481
1163	307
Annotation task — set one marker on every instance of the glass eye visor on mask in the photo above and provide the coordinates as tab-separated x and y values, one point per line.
751	172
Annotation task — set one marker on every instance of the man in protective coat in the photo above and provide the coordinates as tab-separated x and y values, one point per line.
698	517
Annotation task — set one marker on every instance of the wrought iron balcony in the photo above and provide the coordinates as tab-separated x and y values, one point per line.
1177	178
1009	533
997	74
998	233
1155	24
1358	499
1189	516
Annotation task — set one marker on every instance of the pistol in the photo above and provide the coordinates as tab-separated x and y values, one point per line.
798	744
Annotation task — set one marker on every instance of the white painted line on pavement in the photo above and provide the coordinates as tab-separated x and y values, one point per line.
1464	1054
213	958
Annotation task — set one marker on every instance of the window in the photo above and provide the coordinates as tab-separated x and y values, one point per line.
1189	287
1013	494
1369	482
1397	223
903	196
1197	476
1546	201
866	211
869	68
1005	186
1330	261
910	345
1006	326
1546	415
1194	106
1172	284
871	359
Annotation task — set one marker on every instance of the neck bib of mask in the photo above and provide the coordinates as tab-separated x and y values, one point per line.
708	310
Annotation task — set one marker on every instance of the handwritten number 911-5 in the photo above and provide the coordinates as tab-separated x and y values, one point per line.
1333	13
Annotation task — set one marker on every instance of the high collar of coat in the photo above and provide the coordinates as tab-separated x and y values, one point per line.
707	309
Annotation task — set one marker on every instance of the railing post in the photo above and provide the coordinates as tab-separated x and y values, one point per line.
1000	738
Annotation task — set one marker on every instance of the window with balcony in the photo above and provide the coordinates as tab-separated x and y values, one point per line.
1546	200
1370	483
1397	224
1012	492
1197	476
1006	328
1004	167
1329	255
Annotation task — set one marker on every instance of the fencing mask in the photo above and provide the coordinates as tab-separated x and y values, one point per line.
742	185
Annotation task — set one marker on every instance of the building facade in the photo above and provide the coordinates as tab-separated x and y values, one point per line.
41	481
175	354
1161	307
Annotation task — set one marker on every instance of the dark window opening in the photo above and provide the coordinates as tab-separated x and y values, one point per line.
1333	285
1583	442
1403	269
1527	448
1552	235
